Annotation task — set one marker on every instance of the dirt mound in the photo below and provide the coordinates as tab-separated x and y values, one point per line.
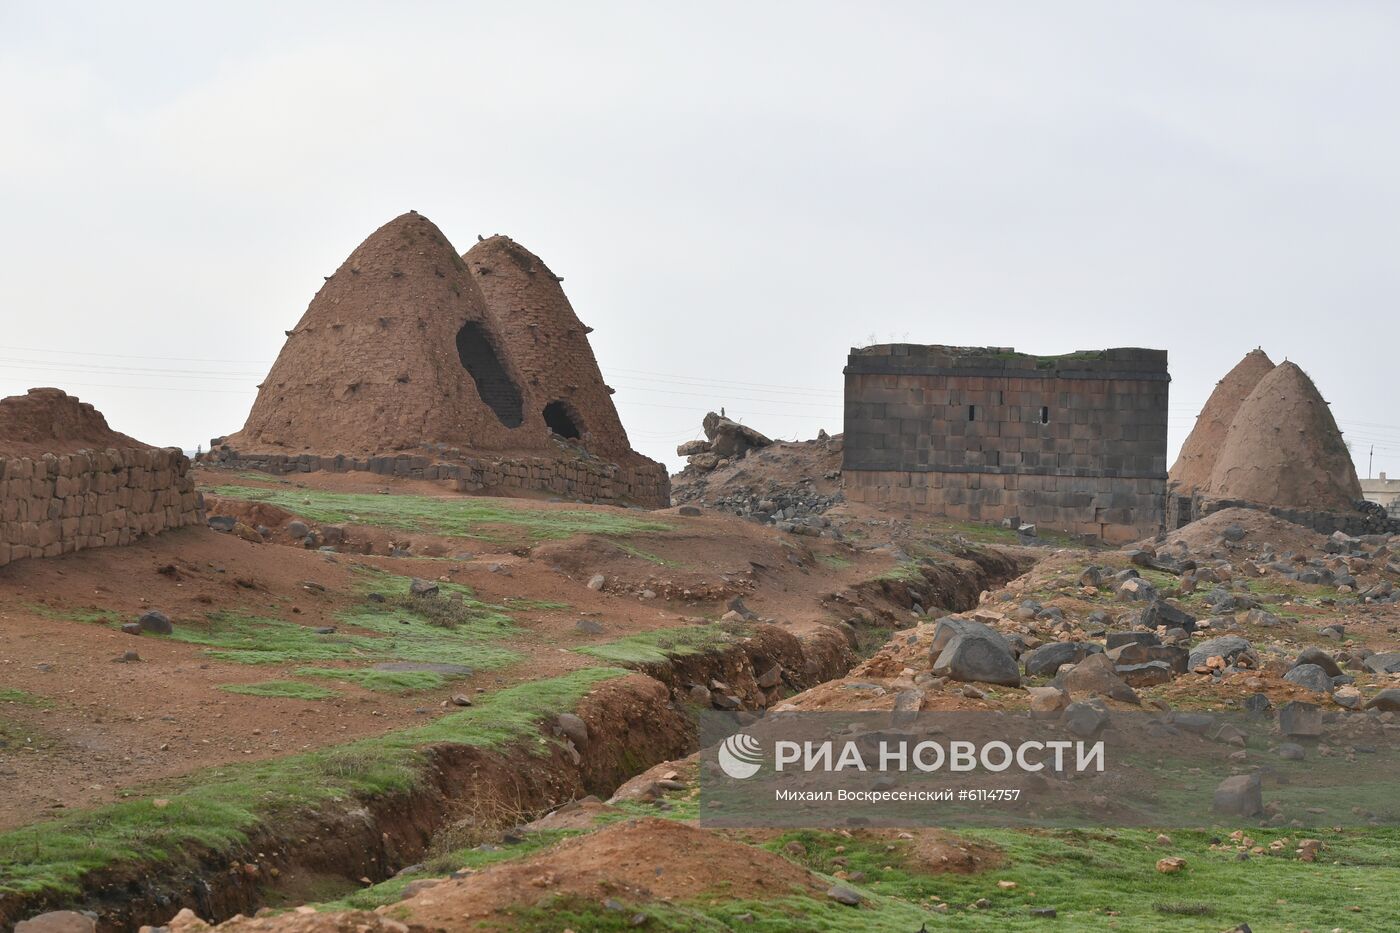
619	861
1284	448
52	421
1258	529
1197	458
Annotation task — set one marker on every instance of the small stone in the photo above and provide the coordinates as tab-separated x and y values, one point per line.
689	511
844	895
459	699
1292	751
417	587
596	582
1171	864
132	628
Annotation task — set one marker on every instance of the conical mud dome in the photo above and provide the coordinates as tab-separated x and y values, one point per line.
547	341
1196	461
1284	448
395	352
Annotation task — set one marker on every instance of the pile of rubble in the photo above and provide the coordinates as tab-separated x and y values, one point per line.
786	484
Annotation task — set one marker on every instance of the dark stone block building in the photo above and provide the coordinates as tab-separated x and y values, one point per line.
1076	442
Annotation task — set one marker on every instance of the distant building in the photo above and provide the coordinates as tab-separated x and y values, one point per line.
1075	442
1384	492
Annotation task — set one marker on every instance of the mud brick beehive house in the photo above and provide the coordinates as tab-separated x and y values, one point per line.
1076	442
415	360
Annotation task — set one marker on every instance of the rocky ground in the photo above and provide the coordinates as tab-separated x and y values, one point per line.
543	777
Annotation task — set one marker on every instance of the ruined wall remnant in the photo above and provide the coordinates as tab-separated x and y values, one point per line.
69	482
410	347
1075	442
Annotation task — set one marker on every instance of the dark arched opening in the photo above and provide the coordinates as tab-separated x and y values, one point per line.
561	419
493	383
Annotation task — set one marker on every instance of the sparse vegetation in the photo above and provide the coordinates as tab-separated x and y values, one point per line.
656	646
218	807
289	689
380	681
461	517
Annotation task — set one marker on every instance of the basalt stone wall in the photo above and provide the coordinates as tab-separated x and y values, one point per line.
57	504
1075	442
1184	509
581	478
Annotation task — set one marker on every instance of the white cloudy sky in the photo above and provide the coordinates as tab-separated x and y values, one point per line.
736	193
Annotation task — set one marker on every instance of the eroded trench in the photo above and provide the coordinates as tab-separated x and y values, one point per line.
634	723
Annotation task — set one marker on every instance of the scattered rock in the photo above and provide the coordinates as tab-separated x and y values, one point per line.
1240	795
844	895
589	627
1096	675
974	657
1310	676
573	727
157	623
1049	658
1387	701
417	587
1300	719
597	582
1171	864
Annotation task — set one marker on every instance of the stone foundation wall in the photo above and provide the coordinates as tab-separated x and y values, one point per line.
1115	510
1182	510
57	504
588	479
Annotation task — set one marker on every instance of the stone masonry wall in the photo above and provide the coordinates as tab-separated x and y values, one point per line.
57	504
1075	442
588	479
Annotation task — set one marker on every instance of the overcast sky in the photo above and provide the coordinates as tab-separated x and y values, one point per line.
735	193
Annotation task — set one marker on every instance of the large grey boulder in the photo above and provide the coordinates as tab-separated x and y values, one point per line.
1310	676
951	626
1315	655
1241	795
1387	662
1229	647
972	657
1387	701
1096	675
731	440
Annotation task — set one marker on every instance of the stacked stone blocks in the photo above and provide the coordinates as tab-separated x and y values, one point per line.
1076	442
58	504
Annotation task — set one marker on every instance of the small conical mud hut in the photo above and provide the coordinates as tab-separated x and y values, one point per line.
1196	461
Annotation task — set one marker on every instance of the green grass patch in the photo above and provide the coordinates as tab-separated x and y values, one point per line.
647	556
288	689
660	645
400	682
21	698
456	517
476	857
216	808
834	561
1086	874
